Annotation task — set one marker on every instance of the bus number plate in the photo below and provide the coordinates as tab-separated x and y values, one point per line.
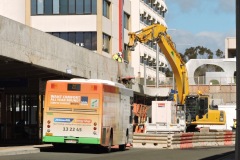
71	141
72	129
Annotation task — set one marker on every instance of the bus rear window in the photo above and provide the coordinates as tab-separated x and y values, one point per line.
74	87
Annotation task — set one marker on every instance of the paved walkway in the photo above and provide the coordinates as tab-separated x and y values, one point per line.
15	150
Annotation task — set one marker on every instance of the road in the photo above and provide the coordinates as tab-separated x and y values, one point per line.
50	153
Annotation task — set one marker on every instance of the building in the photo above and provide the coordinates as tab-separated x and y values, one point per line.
92	24
230	47
144	13
100	26
93	27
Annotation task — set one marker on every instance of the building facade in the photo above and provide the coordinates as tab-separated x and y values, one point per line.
144	13
101	26
230	47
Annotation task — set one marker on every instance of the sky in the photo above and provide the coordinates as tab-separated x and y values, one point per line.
201	23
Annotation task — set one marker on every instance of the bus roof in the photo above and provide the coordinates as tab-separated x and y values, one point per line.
93	81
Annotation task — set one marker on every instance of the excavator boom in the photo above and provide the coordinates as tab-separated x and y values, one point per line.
157	33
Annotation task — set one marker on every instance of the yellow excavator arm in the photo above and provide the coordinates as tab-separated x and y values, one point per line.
157	33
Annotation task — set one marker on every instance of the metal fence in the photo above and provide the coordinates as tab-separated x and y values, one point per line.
200	80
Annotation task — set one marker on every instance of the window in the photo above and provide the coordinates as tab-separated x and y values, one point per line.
40	7
145	20
48	6
55	6
87	40
79	38
106	8
126	21
94	6
148	20
94	40
141	59
33	7
106	43
63	6
84	39
72	37
141	17
79	6
163	14
125	53
71	7
87	6
64	35
56	34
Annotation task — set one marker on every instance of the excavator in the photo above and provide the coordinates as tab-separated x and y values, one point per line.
198	107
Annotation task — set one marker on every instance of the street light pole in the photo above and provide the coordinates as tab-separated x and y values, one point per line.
144	68
157	66
237	146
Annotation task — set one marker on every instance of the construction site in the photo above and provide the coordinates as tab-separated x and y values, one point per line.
161	114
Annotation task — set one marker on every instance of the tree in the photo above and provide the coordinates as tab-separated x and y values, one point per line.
220	54
201	52
198	52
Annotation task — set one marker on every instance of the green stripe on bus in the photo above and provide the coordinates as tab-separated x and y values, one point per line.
59	139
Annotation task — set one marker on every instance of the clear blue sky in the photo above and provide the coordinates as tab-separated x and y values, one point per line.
201	23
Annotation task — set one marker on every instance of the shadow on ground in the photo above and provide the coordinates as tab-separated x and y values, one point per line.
227	155
77	149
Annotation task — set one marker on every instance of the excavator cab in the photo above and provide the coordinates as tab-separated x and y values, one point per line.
200	112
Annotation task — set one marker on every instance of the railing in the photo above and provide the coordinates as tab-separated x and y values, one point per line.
201	80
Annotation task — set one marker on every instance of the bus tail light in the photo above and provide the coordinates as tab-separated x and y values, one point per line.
95	126
48	125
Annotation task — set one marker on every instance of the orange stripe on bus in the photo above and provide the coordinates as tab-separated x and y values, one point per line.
111	89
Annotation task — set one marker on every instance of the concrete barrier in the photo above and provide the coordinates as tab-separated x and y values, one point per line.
143	140
184	140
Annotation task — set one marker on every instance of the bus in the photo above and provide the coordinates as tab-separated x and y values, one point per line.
87	112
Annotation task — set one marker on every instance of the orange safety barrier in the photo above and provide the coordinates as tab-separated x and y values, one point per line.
140	111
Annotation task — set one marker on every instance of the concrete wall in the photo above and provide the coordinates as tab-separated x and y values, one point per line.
224	93
35	47
228	66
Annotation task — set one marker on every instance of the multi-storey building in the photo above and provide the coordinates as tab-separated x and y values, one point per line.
101	26
144	13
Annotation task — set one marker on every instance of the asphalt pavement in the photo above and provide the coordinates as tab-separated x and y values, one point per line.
29	149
